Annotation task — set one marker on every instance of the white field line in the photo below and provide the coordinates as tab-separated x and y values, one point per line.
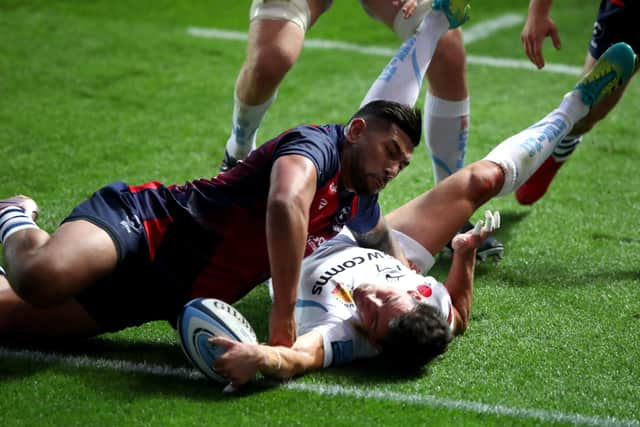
471	34
125	366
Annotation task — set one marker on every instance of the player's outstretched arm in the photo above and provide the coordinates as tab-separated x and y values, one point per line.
292	188
460	280
381	238
241	362
538	26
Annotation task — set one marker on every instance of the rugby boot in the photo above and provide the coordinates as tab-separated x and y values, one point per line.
456	11
228	162
612	71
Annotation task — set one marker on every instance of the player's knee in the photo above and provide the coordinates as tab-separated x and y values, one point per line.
450	52
40	282
270	64
485	179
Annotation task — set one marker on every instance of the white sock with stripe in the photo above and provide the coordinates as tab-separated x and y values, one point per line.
12	220
401	79
522	154
244	126
446	131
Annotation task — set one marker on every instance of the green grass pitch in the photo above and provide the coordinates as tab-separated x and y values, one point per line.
93	92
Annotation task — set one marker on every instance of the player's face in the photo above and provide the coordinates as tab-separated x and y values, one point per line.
378	304
378	156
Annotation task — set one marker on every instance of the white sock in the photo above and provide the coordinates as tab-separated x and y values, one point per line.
12	220
244	126
401	79
446	130
522	154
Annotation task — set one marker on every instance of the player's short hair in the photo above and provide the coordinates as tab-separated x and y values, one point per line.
415	338
384	113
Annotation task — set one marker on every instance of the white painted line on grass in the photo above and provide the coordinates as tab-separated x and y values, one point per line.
471	34
485	29
325	390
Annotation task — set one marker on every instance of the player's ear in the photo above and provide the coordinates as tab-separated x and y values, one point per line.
355	128
415	295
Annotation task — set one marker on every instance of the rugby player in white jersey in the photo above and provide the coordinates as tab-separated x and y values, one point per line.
355	302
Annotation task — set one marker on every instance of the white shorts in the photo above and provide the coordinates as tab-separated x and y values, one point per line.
296	11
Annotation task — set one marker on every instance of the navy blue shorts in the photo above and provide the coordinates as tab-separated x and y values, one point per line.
138	290
617	21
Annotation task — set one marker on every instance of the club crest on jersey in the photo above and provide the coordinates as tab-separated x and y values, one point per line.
343	294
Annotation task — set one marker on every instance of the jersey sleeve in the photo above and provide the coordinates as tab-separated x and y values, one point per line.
367	214
316	143
343	343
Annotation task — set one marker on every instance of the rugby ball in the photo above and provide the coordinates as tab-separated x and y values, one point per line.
203	318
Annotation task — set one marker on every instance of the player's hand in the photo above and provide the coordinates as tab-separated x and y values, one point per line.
533	34
282	327
239	363
408	6
470	241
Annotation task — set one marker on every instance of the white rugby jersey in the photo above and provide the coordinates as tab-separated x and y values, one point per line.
325	302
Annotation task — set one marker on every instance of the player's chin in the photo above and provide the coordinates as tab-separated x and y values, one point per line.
374	185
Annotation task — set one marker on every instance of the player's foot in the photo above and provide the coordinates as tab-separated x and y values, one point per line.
534	188
456	11
27	204
2	272
613	69
491	248
228	162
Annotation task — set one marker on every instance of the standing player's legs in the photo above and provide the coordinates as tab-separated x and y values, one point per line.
276	37
439	54
614	24
447	118
45	272
434	217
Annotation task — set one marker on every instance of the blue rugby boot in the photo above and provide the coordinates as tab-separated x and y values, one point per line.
456	11
613	70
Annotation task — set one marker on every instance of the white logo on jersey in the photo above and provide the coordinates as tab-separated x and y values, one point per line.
130	223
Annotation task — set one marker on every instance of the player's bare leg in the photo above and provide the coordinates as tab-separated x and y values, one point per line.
433	218
274	45
20	320
47	270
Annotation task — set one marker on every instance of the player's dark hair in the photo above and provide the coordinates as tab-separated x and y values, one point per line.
415	338
385	113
